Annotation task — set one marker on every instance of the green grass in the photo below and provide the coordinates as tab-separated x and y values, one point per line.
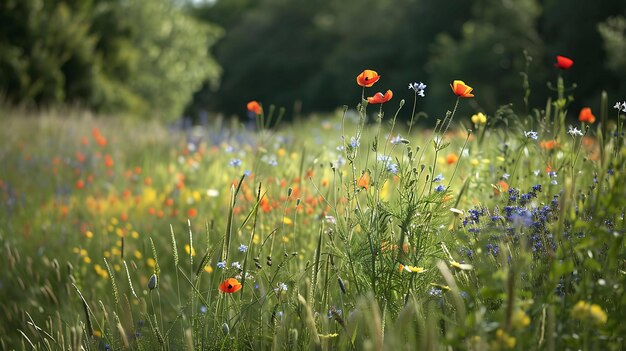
116	245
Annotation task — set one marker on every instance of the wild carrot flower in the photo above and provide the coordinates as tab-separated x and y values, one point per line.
460	89
367	78
563	62
573	131
254	107
281	287
531	134
230	286
418	88
379	98
585	115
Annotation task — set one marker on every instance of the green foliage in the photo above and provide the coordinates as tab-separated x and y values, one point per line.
481	42
613	32
140	58
353	243
488	51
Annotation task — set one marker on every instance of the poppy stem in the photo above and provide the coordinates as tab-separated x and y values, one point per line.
413	113
456	105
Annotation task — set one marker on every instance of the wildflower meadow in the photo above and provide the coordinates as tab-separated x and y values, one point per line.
372	228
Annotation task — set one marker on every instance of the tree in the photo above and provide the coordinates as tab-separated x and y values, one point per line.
144	59
489	54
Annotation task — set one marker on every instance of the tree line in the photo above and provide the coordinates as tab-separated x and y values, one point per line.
165	58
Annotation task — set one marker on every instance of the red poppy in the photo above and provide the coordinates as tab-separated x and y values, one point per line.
586	115
379	98
230	286
254	106
367	78
461	89
563	62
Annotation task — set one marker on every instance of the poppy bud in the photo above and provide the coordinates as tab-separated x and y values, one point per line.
225	328
341	286
152	283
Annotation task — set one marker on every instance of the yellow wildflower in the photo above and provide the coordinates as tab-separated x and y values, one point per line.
479	118
504	339
412	269
584	311
461	266
190	249
520	319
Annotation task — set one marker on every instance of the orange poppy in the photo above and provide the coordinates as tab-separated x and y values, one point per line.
461	89
254	106
367	78
585	115
452	158
364	181
563	62
501	186
192	212
108	161
548	144
379	98
230	286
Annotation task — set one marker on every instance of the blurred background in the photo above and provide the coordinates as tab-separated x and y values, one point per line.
166	59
